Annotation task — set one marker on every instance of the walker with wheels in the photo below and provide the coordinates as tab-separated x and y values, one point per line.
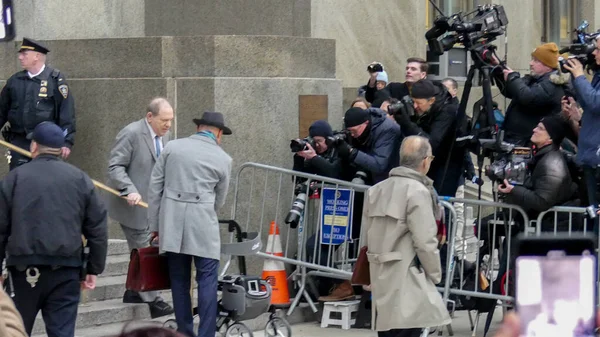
243	297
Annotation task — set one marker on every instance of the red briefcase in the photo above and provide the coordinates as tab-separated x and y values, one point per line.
148	270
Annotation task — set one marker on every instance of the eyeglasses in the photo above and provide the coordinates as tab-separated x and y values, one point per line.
429	157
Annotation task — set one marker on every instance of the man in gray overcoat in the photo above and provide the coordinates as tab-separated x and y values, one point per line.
188	186
136	149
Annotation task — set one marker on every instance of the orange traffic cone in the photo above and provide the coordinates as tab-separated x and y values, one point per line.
274	271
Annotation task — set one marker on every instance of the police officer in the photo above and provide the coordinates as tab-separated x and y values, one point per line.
45	207
36	94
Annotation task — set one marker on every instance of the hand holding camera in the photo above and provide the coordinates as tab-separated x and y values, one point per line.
403	110
574	66
308	153
570	109
506	187
346	151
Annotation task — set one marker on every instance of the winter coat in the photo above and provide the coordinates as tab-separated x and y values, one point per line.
404	259
548	184
532	98
188	186
394	89
439	124
588	96
380	152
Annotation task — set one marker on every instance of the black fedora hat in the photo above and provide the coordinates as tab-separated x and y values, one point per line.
213	119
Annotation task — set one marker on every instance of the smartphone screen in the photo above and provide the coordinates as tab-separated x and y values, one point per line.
555	293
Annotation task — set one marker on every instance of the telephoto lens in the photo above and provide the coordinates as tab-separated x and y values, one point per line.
294	215
359	178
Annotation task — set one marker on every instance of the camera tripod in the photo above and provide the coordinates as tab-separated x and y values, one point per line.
481	57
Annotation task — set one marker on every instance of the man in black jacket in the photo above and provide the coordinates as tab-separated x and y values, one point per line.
533	96
36	94
45	207
548	181
436	118
321	160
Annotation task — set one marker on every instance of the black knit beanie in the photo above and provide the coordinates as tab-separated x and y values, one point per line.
320	129
423	89
355	116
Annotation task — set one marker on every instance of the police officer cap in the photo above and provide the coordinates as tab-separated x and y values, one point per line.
29	44
48	134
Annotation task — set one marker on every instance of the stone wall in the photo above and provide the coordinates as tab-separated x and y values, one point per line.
254	81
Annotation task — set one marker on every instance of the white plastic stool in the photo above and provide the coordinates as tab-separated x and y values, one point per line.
345	308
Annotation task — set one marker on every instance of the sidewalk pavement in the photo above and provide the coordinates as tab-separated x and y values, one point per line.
460	325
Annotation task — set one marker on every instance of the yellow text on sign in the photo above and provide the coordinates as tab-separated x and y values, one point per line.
339	220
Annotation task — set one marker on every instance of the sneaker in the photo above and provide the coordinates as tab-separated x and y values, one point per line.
340	292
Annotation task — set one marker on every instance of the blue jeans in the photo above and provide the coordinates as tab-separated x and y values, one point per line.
180	272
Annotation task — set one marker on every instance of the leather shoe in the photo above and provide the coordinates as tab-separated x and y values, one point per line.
160	308
131	296
340	292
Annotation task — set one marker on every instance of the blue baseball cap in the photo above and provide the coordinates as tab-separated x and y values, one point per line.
48	134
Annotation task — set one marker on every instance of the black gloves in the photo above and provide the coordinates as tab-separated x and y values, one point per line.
402	118
345	151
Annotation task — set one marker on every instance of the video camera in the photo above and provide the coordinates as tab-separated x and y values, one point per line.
511	166
581	49
488	23
404	106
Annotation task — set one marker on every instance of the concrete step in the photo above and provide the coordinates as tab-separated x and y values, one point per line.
107	288
300	315
117	247
116	265
94	314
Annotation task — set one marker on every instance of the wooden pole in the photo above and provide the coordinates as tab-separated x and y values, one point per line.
96	183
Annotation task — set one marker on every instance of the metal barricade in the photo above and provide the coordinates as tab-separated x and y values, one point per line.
269	193
480	276
576	220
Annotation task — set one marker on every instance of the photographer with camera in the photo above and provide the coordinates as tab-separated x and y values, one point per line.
532	96
588	96
373	144
416	69
548	182
435	117
316	157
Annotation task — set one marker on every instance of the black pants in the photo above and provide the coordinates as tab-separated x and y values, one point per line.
56	294
400	333
17	159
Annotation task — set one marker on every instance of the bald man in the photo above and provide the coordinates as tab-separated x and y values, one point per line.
399	226
136	149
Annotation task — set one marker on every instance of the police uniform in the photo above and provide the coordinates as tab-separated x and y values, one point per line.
27	101
45	207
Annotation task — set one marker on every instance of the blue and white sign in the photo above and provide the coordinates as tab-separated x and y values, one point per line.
336	228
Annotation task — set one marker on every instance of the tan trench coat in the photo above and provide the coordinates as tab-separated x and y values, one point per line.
400	225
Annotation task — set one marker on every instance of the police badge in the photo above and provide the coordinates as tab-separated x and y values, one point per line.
64	90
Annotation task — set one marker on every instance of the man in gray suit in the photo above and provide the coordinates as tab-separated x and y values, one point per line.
188	186
136	149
